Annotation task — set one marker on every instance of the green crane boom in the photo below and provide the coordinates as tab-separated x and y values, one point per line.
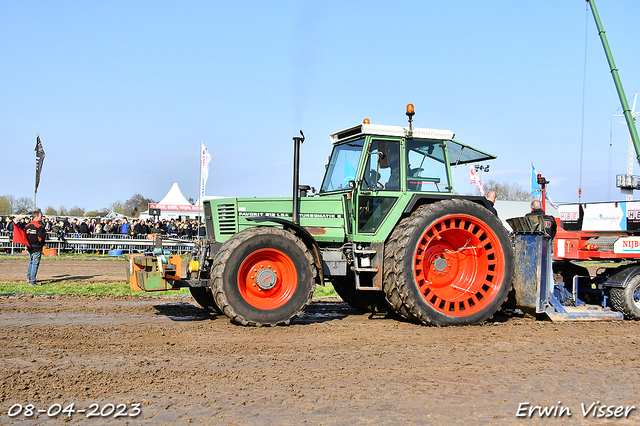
616	79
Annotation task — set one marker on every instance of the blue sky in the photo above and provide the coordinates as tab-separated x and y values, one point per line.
123	92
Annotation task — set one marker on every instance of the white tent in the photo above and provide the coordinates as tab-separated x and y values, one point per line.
175	197
114	215
174	205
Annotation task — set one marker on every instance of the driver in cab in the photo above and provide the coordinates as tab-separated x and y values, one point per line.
393	184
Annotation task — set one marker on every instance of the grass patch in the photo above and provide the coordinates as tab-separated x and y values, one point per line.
76	256
325	291
116	289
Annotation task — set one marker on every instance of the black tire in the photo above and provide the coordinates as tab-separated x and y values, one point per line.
449	263
364	300
204	298
263	276
391	291
627	300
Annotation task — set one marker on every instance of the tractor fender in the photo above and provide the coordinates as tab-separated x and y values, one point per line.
419	199
306	237
622	278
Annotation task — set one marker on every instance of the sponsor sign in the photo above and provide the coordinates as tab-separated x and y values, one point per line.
627	245
176	207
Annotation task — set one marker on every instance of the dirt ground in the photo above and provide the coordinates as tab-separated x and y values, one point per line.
57	269
332	366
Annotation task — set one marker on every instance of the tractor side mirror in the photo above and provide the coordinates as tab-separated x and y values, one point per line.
383	149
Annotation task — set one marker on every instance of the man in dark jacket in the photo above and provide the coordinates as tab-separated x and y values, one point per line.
83	229
550	225
491	196
36	236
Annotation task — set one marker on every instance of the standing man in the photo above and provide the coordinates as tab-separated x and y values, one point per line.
550	225
491	196
83	229
124	228
36	236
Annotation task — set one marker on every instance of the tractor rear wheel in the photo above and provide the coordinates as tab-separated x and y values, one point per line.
204	297
452	263
627	300
263	276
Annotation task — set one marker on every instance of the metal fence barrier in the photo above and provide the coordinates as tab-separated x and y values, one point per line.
103	243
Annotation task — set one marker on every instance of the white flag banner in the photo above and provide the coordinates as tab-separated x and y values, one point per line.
205	158
475	179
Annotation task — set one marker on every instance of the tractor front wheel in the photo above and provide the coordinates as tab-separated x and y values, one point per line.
452	263
263	276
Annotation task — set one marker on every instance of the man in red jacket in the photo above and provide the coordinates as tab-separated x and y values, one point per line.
36	236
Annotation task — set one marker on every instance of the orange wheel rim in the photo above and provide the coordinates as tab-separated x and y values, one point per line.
267	279
459	265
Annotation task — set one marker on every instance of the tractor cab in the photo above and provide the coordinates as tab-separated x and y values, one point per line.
396	159
377	165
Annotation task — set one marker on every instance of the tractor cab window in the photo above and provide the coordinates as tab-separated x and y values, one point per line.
342	166
426	166
382	173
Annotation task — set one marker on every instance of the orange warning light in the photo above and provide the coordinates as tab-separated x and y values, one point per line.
410	109
366	121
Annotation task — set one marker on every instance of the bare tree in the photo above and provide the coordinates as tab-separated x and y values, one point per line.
136	204
6	204
507	191
62	211
117	207
23	205
76	211
50	211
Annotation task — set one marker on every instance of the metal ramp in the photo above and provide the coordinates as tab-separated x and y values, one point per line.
535	289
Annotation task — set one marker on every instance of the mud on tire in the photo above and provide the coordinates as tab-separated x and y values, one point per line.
263	276
449	263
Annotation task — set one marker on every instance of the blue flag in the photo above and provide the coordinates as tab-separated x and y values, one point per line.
536	188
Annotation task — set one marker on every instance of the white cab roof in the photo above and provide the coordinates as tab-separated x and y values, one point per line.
382	130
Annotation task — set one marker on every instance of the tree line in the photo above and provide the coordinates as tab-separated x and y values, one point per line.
137	203
10	205
508	191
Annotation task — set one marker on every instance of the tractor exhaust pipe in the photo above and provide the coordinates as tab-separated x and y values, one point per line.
297	141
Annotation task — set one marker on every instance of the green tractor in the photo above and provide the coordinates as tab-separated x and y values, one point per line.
385	228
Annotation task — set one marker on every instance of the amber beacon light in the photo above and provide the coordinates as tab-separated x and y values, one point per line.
410	114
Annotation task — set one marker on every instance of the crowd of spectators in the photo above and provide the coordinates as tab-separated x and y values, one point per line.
92	227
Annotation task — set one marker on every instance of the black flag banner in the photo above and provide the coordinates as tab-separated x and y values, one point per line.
39	160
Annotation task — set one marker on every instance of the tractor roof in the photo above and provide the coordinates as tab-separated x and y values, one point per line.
459	153
382	130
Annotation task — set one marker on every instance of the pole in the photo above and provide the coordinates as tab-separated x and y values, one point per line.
35	187
200	183
616	80
297	141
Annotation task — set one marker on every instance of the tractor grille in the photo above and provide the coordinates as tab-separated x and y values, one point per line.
227	219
